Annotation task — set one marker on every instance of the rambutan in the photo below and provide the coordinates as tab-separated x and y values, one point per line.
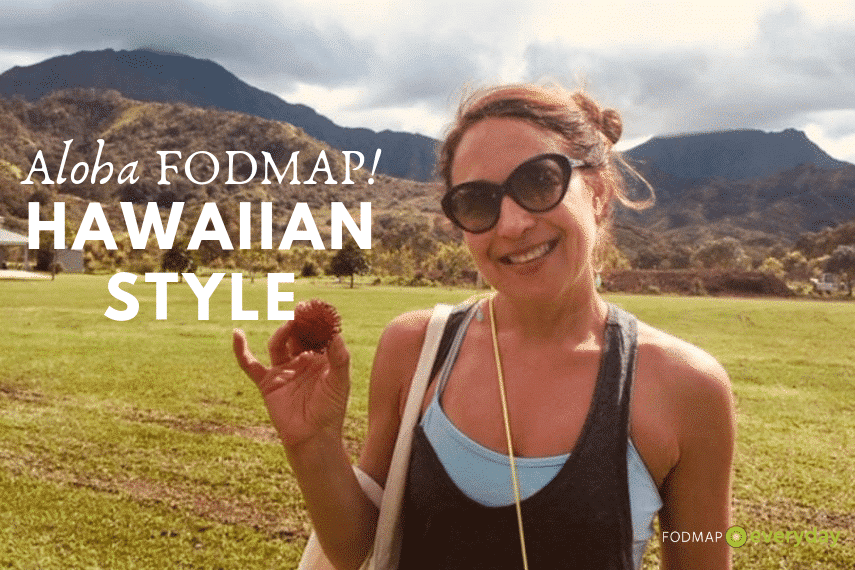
315	323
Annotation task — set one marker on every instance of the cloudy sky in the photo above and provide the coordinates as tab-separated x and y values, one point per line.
668	66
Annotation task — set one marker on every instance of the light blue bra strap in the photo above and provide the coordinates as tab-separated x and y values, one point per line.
454	350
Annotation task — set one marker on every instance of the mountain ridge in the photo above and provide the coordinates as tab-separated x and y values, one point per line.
792	186
737	154
147	75
152	75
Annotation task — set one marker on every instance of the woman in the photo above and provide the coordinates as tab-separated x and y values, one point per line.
608	419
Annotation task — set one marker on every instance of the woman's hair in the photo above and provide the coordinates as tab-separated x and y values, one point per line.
588	131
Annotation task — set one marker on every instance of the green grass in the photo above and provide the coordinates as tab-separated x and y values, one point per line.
140	444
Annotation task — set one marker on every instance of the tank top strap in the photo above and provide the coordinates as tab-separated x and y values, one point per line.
607	427
619	354
618	360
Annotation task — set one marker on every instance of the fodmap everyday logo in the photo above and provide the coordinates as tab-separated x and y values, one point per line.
736	536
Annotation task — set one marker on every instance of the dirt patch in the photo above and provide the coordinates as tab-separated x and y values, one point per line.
688	282
779	512
255	433
270	518
226	510
21	394
265	433
275	519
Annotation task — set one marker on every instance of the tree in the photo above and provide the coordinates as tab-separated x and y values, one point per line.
842	260
796	265
348	261
177	260
773	266
724	253
452	263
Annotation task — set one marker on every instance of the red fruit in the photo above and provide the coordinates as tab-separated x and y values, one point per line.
315	323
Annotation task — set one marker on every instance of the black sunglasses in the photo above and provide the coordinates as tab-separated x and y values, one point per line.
537	185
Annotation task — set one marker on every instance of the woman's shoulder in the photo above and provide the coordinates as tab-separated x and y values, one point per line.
402	339
683	401
680	362
406	331
400	347
690	388
394	365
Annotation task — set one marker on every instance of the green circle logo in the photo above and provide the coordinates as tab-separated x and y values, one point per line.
736	536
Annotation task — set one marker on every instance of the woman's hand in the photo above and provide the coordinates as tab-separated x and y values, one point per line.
305	392
306	397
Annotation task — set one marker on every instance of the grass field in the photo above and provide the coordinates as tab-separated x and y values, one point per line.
140	444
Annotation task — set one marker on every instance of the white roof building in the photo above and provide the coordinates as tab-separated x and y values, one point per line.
11	238
8	238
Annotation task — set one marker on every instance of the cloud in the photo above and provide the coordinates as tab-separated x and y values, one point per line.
403	63
260	42
276	46
426	70
793	67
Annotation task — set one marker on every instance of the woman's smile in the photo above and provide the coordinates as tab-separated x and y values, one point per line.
528	255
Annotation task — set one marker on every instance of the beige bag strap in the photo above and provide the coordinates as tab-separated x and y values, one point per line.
387	543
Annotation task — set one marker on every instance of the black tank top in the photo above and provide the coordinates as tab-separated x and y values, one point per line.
581	519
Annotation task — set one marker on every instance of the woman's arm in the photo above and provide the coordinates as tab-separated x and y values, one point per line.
394	366
697	491
306	397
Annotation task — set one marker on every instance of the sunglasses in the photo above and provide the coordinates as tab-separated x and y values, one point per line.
537	185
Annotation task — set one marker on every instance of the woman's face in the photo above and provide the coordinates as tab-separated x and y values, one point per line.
531	255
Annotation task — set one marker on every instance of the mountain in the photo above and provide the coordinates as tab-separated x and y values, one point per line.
134	132
748	184
756	186
734	155
161	77
783	205
146	75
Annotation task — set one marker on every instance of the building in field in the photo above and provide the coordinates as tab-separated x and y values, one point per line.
64	259
9	240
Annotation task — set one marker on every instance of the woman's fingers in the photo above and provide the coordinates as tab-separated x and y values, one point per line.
274	379
278	346
305	369
305	389
247	361
339	357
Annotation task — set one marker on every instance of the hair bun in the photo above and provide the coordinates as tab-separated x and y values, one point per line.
611	125
607	121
